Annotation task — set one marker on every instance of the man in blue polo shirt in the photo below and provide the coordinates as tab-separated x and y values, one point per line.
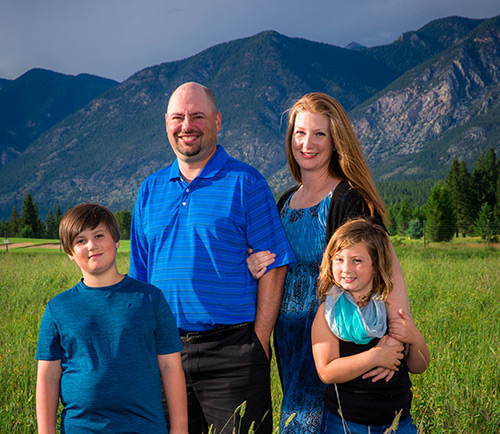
192	225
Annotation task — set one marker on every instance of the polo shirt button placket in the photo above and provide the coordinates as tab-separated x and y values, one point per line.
184	203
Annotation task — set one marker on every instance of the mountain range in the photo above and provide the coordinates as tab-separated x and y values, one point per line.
38	100
415	103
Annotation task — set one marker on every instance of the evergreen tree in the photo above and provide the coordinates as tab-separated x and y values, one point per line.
13	223
51	228
57	220
26	232
460	185
496	209
124	220
404	216
441	222
4	228
392	211
483	221
484	179
31	226
415	229
418	213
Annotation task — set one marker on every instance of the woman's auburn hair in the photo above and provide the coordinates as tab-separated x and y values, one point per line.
355	231
347	161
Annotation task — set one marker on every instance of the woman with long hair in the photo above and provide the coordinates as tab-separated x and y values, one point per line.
334	184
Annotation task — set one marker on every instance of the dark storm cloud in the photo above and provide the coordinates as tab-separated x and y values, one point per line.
115	38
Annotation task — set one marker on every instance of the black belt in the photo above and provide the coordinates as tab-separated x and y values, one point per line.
209	335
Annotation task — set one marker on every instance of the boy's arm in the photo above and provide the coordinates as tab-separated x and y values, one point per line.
404	329
174	385
47	395
335	369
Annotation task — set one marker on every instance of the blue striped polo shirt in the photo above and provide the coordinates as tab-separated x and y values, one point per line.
191	240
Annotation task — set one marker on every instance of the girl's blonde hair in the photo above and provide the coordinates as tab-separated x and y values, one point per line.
377	243
347	161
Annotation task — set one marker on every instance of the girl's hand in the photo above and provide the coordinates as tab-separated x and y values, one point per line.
258	262
388	356
379	374
404	329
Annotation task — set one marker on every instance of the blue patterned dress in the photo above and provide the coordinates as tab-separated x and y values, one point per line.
302	388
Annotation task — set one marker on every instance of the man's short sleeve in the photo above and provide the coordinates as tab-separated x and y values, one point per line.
138	243
264	228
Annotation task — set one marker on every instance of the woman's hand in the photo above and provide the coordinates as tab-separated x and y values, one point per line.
404	329
258	262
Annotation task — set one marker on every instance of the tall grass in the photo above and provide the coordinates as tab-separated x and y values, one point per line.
27	282
454	294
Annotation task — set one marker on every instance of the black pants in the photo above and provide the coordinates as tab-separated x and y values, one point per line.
222	372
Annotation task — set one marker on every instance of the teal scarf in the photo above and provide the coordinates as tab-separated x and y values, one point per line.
351	323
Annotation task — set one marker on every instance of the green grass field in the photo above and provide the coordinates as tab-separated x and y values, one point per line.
454	291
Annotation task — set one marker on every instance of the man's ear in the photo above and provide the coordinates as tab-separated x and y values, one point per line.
218	120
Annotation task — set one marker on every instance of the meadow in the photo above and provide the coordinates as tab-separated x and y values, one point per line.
454	290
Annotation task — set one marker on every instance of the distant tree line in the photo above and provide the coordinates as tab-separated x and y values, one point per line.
464	203
29	225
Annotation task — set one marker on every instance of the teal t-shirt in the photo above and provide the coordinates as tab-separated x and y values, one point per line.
108	339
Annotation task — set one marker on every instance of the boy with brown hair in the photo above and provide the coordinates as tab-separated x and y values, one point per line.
107	345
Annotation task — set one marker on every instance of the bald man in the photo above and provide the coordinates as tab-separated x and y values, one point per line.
192	225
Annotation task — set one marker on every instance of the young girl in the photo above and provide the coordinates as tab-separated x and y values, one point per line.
349	336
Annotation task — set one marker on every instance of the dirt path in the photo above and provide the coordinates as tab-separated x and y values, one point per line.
22	245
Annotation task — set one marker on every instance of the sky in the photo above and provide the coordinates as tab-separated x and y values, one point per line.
117	38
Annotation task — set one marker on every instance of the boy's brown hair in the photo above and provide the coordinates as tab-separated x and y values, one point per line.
86	216
377	242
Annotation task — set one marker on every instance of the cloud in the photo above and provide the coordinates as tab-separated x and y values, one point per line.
115	38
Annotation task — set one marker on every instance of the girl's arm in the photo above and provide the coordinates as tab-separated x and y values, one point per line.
335	369
47	395
404	329
174	385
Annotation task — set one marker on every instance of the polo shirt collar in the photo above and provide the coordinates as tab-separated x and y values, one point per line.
214	165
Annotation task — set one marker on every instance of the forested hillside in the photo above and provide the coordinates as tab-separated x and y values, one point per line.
36	101
416	103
